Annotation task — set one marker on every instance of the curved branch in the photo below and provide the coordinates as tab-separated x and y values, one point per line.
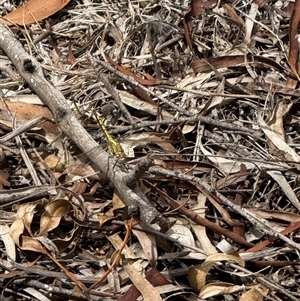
31	71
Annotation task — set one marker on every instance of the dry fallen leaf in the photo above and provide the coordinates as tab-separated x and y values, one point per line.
148	244
25	111
33	11
147	290
182	234
253	295
147	82
220	288
26	212
293	35
53	213
197	274
36	294
194	11
9	244
199	230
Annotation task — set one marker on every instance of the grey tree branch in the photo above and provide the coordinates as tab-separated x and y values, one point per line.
31	71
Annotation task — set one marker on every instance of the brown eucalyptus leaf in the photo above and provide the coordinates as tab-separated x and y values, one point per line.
63	240
27	211
63	243
53	213
22	241
33	11
16	229
253	295
197	274
197	278
219	288
3	178
31	244
103	218
117	204
293	56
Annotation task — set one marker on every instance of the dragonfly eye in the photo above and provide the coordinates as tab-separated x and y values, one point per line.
120	157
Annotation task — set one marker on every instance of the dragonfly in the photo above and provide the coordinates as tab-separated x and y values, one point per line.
114	147
82	167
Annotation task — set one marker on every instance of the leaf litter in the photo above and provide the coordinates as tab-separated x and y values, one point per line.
210	91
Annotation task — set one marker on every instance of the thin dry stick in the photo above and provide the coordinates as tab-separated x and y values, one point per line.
164	236
67	273
242	211
132	81
220	124
110	89
18	140
200	220
70	275
205	93
129	225
266	282
52	289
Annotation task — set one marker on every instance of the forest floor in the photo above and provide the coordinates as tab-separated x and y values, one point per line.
191	192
